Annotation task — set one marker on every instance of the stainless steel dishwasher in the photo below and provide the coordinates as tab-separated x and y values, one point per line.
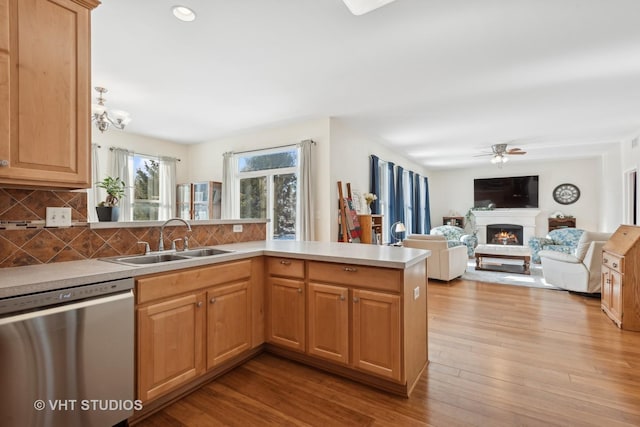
66	356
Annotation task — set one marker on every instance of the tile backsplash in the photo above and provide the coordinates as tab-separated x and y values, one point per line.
25	241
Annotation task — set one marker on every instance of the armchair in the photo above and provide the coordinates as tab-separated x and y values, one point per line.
456	236
445	263
579	272
562	240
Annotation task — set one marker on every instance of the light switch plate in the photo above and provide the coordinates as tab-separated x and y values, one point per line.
237	228
58	217
416	292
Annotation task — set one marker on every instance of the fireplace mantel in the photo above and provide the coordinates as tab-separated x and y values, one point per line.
524	217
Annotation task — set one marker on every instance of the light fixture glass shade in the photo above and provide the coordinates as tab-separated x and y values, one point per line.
360	7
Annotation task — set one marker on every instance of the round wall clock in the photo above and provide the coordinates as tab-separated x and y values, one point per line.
565	194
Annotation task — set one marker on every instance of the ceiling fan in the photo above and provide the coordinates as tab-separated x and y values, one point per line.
360	7
500	153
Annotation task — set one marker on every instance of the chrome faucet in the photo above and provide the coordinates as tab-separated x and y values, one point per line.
161	244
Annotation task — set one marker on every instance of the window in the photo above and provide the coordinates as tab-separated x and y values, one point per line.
146	188
268	188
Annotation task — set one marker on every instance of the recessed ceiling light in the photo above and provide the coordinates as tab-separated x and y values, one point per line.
183	13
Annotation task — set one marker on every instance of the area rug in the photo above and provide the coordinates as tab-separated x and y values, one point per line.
534	280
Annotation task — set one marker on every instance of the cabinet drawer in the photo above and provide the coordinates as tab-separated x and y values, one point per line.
286	267
164	285
613	261
386	279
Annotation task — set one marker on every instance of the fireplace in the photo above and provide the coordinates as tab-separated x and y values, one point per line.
504	234
526	218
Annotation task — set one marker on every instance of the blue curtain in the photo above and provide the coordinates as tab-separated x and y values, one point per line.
374	183
392	194
399	205
427	209
411	226
417	208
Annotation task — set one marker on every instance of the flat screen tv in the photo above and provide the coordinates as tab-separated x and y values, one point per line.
508	192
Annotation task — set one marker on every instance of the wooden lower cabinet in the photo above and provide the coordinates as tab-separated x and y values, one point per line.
228	322
192	321
286	313
170	344
329	322
376	333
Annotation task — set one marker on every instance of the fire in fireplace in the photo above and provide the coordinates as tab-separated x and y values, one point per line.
504	234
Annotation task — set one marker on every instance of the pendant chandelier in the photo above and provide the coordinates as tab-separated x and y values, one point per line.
104	118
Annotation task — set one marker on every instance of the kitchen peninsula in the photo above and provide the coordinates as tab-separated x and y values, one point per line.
355	310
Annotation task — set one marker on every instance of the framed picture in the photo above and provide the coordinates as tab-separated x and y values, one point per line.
358	203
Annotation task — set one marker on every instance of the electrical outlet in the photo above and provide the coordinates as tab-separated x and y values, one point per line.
237	228
58	217
416	292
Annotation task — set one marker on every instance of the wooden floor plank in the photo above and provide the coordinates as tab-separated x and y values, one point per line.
499	355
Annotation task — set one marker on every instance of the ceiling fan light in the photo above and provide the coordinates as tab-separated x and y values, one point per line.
360	7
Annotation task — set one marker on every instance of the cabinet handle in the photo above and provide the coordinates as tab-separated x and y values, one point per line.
285	262
4	163
615	265
299	290
212	300
608	281
341	297
199	304
356	299
350	269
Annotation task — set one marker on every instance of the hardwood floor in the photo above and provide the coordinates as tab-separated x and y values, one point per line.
499	356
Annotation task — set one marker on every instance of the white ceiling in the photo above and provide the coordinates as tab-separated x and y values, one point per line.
438	80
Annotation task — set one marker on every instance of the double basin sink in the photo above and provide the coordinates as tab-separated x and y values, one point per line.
166	257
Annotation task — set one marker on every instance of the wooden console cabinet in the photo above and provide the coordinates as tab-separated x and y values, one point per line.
621	277
45	99
372	230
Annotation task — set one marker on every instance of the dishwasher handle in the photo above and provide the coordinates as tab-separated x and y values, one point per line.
67	307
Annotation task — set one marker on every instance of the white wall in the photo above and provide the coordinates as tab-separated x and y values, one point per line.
452	190
350	151
205	160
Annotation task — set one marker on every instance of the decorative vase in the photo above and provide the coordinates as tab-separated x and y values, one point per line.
369	208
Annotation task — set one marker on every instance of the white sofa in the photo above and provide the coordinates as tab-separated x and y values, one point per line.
579	271
445	263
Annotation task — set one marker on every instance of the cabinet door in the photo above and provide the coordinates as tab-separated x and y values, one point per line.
228	322
615	304
170	344
376	333
286	313
605	291
44	94
329	322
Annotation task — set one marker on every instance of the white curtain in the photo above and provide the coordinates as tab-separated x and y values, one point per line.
120	161
305	192
167	188
229	210
93	195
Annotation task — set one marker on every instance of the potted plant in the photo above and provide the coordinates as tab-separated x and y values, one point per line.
108	210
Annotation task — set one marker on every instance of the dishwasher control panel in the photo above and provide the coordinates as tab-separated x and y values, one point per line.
28	302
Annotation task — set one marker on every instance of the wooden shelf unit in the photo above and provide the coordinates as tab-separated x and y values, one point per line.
555	223
457	221
372	230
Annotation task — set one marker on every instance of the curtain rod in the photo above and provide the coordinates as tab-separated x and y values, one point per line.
272	148
142	154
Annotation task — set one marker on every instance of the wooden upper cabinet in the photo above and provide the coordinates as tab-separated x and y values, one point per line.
45	105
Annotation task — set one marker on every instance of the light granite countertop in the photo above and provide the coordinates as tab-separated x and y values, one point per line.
39	278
